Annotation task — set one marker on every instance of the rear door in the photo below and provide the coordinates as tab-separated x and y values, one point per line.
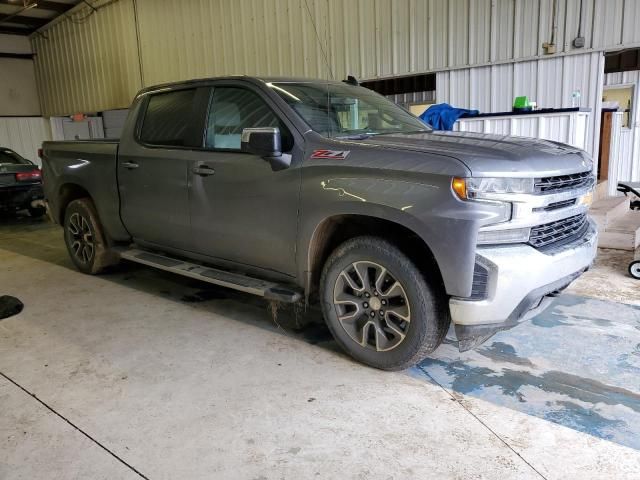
153	164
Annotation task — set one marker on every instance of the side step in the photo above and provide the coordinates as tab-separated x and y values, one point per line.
262	288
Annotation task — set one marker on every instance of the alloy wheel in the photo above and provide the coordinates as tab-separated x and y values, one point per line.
81	238
372	306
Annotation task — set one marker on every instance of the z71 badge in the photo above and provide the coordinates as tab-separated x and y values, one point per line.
330	154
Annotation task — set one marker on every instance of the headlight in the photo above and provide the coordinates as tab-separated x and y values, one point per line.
470	188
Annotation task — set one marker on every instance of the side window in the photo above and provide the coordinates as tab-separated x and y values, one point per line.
234	109
167	118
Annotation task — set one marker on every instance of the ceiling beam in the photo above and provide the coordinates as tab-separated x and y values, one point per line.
20	56
30	22
42	5
16	31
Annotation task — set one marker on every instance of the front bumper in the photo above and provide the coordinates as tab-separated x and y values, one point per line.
520	277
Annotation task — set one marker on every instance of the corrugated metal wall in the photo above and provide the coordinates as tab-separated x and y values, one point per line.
368	38
95	65
89	66
550	82
24	135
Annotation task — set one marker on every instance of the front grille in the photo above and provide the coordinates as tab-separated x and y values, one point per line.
480	282
563	182
556	206
561	231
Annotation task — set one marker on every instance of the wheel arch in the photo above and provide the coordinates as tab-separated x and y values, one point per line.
338	228
67	193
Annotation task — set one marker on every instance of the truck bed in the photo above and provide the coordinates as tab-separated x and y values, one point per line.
89	165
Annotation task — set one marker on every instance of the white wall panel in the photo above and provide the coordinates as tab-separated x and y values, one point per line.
458	28
549	82
631	22
479	31
502	31
565	127
526	25
88	66
24	135
607	25
18	90
95	65
14	43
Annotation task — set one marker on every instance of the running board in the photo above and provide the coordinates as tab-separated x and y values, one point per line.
262	288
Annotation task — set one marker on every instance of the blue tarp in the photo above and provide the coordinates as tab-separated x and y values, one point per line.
442	116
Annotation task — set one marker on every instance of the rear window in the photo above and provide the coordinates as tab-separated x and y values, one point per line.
7	156
167	118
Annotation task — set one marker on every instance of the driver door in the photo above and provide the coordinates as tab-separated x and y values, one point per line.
241	210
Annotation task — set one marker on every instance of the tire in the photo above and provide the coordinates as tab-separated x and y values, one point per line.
634	269
389	341
85	239
37	212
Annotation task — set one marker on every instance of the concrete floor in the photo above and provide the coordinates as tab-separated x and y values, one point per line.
141	374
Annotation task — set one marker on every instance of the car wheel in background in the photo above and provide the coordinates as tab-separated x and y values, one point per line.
37	212
379	307
634	269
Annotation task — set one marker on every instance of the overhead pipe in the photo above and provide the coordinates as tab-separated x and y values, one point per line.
18	12
550	47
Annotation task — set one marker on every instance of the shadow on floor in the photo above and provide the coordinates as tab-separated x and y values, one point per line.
577	364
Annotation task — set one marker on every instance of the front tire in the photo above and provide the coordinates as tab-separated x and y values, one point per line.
379	307
85	239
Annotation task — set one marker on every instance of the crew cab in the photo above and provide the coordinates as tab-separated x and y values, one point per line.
299	189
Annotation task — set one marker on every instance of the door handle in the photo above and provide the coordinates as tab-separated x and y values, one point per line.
203	170
130	165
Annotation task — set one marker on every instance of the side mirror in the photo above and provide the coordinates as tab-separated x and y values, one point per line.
266	142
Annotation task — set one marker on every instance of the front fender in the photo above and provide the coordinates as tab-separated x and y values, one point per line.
427	207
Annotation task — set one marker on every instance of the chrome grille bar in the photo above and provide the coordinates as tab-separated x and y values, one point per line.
558	231
563	182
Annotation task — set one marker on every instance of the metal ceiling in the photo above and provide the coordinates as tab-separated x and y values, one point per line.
23	17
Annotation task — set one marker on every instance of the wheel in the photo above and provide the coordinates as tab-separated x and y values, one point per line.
634	269
379	307
37	212
85	239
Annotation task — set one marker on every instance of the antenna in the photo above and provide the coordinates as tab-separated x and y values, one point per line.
351	80
315	29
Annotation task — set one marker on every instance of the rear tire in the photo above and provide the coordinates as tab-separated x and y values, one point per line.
85	239
379	307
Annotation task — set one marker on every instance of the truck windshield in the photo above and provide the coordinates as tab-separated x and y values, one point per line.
8	156
346	111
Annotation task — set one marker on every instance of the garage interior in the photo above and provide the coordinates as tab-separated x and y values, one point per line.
141	373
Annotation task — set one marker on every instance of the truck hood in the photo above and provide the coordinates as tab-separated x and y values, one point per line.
493	155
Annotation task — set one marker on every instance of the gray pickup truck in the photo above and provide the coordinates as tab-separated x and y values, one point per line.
298	189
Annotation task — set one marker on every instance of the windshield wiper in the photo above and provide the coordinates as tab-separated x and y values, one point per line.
357	136
416	131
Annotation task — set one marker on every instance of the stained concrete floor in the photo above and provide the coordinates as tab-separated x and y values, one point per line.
141	374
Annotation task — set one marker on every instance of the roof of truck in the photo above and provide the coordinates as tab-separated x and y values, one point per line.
260	79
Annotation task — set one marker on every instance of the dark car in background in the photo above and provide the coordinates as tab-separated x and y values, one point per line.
20	184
